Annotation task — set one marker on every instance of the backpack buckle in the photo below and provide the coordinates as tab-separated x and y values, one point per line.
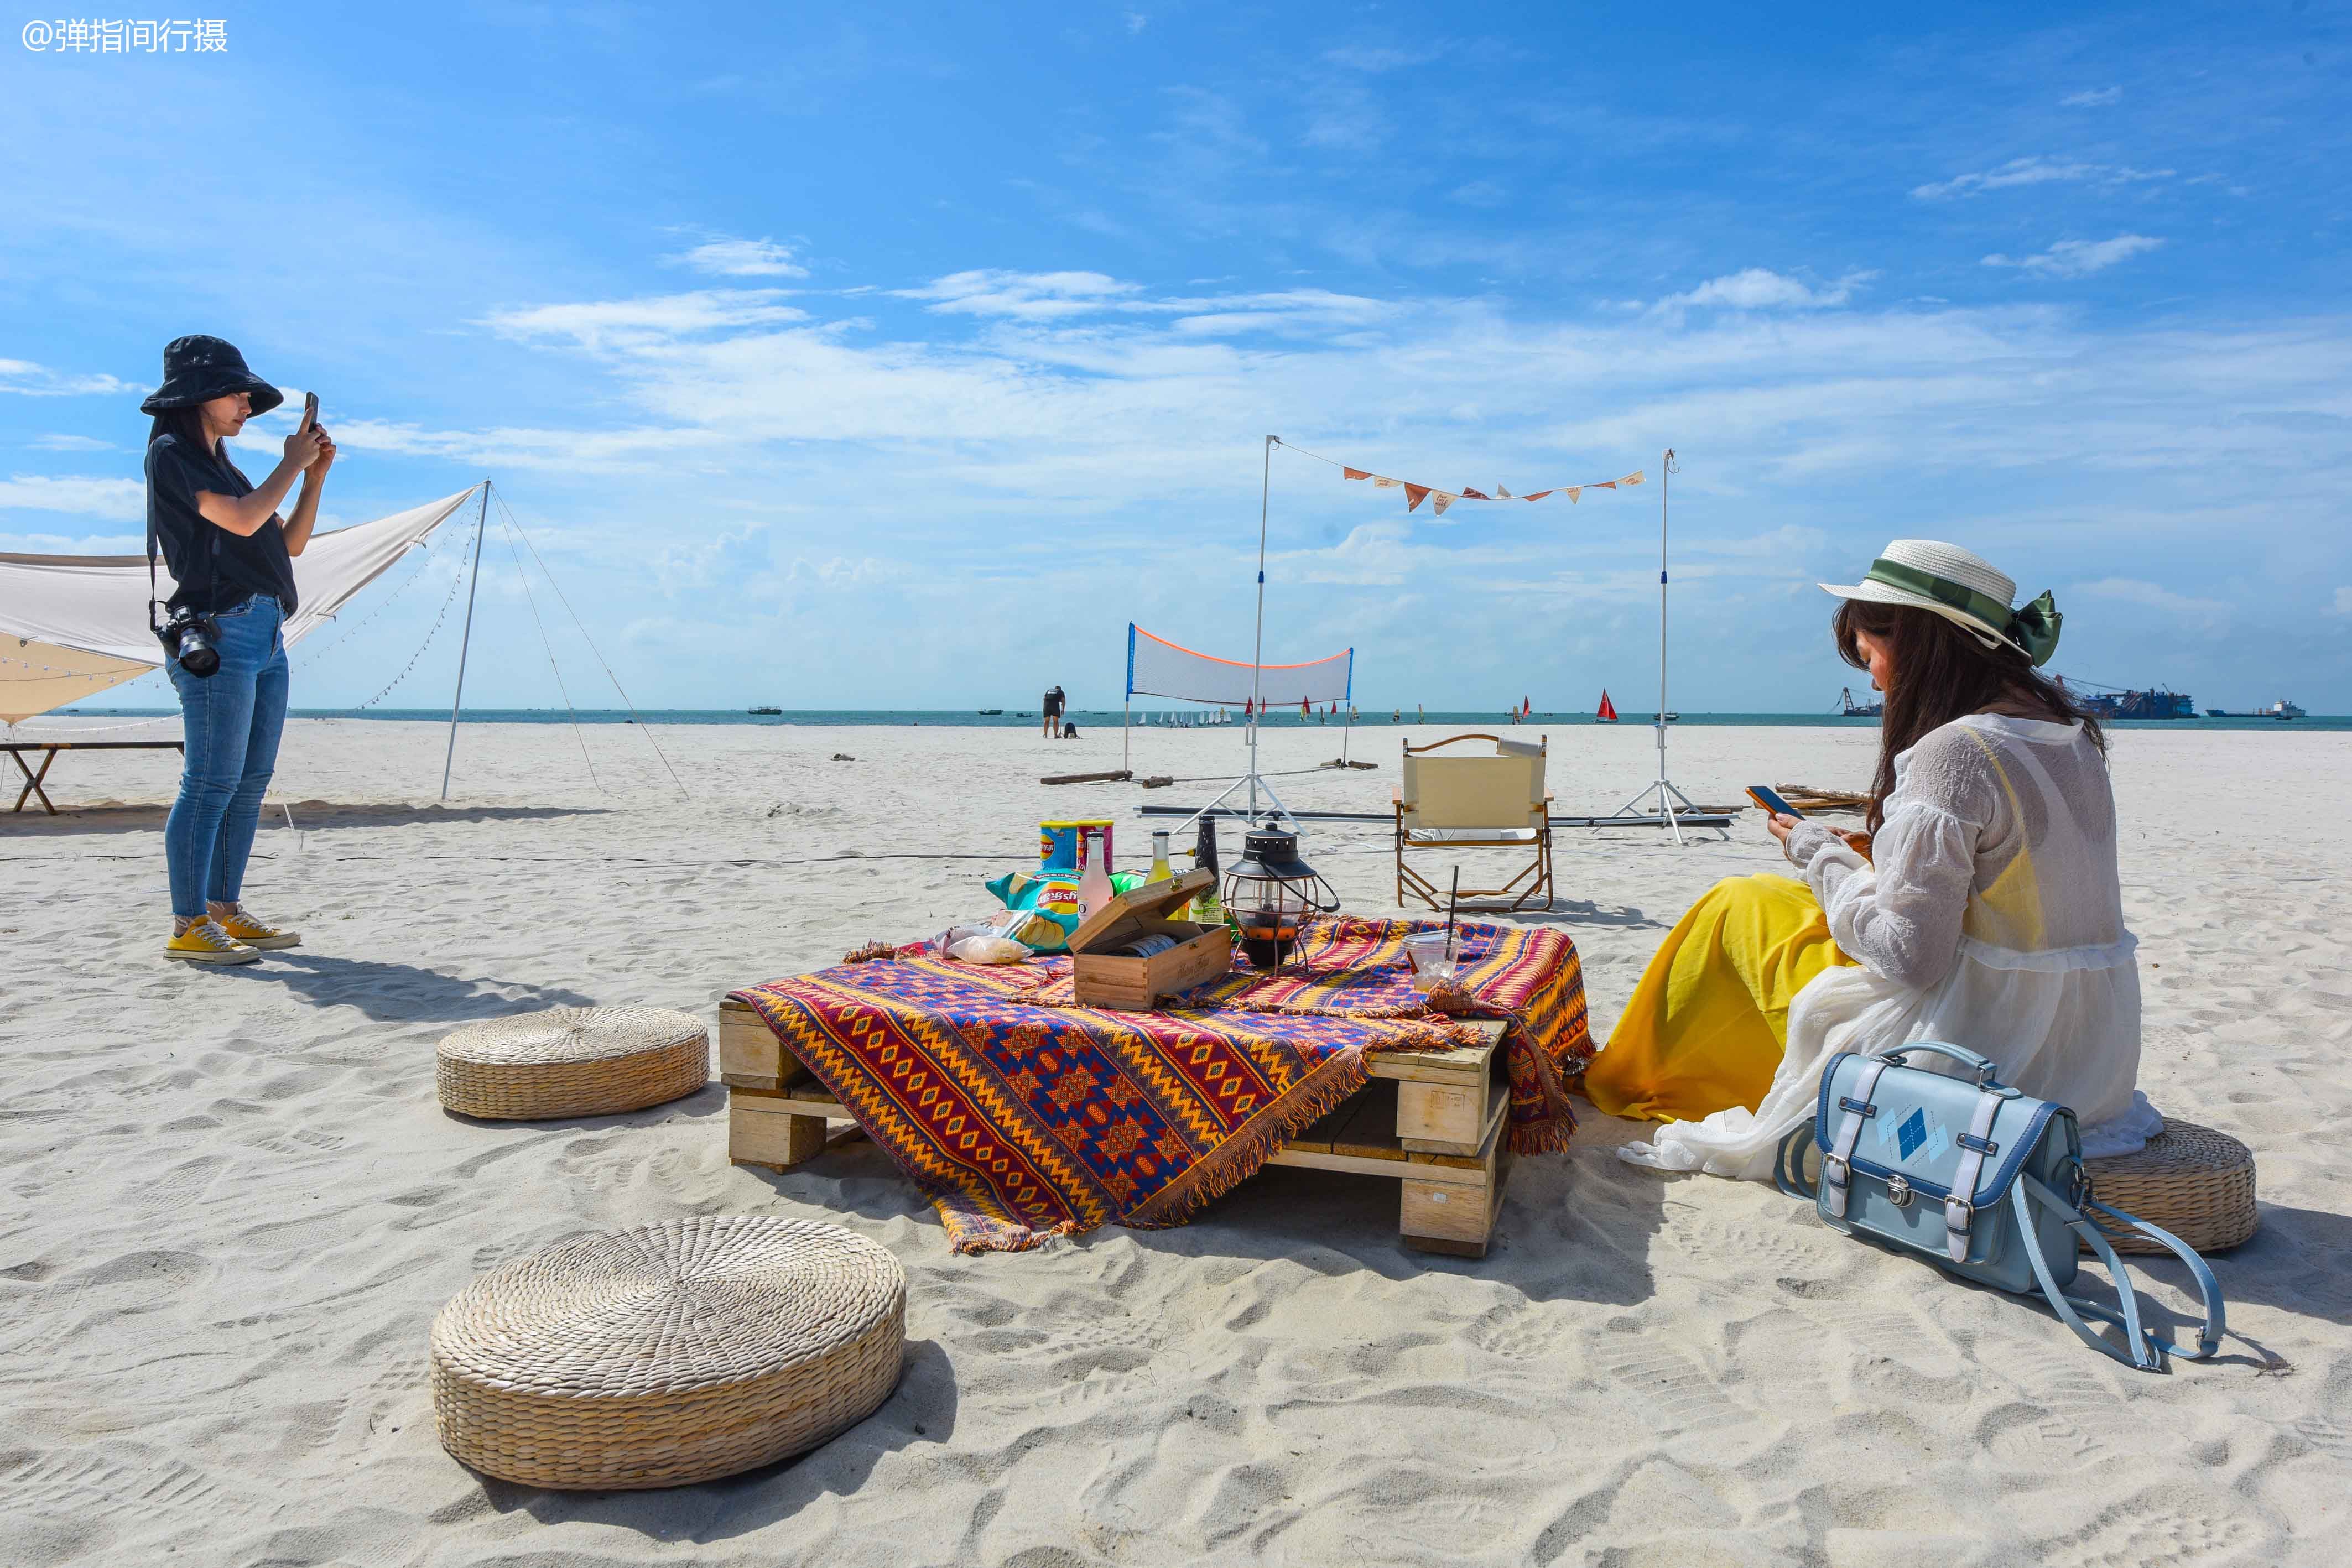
1898	1191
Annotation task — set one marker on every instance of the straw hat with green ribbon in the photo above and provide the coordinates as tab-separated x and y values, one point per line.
1962	588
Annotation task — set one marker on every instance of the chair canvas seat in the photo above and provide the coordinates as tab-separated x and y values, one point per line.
1464	800
1471	837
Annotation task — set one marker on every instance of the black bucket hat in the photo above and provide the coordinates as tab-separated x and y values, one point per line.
197	368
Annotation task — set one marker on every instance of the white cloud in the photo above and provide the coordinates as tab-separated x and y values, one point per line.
120	500
1026	296
2035	172
742	259
1136	22
2078	257
2095	98
621	322
2343	605
55	442
1759	289
27	379
2206	614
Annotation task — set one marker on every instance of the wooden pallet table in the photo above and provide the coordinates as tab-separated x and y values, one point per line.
1432	1122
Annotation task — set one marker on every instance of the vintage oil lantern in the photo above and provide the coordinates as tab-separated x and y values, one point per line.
1269	892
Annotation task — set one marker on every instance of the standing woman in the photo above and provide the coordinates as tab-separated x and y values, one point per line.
231	557
1983	908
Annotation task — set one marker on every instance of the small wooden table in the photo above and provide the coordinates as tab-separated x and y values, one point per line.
17	749
1434	1122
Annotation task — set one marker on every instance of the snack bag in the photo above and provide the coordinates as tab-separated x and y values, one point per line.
1052	902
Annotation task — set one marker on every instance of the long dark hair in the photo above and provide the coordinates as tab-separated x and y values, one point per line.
187	425
1942	672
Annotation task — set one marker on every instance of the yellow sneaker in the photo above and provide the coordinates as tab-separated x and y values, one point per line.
207	943
243	926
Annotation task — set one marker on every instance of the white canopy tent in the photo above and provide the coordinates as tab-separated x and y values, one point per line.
74	626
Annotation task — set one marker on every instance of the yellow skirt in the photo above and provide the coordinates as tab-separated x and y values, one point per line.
1706	1028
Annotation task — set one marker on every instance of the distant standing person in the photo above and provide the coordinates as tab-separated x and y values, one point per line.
1053	706
231	557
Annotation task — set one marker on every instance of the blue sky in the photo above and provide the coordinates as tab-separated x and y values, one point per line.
872	356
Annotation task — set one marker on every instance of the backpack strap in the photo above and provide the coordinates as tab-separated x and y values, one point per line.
1837	1168
1789	1167
2145	1350
1960	1208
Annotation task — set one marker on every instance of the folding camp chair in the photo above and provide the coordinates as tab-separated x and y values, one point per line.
1460	803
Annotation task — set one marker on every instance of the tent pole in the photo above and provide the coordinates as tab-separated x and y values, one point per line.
1257	649
466	642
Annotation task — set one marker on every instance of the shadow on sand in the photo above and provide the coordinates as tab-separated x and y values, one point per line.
1574	1226
399	993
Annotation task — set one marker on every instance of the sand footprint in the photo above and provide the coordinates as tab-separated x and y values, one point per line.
2156	1529
1520	1333
111	1481
1675	1392
179	1187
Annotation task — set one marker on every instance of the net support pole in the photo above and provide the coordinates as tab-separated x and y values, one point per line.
1126	717
1257	647
1673	804
466	641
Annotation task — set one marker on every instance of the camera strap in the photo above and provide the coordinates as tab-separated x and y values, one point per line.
153	624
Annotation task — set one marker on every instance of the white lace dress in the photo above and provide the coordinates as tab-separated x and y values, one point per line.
1991	917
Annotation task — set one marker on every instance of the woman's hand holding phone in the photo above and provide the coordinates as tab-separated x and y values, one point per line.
302	446
311	448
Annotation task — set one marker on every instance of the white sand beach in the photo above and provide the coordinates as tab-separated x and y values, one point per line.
236	1205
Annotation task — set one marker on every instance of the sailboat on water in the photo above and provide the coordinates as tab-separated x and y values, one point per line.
1608	714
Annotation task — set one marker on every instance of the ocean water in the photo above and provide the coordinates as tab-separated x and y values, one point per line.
1088	718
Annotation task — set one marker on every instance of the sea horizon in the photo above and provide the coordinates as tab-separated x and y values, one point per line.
1012	718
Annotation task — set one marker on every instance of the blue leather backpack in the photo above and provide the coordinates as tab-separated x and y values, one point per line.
1983	1179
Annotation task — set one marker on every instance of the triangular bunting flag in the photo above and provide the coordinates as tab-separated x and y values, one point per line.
1356	472
1503	495
1415	493
1382	482
1633	478
1539	495
1605	485
1445	499
1573	492
1470	495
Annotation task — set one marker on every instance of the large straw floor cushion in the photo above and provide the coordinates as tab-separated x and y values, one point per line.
669	1354
2190	1180
571	1062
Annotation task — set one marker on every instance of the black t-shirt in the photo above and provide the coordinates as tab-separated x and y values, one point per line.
1053	700
216	569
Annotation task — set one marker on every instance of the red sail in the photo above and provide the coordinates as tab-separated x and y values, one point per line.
1608	708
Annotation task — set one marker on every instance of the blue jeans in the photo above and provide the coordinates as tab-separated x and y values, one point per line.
231	719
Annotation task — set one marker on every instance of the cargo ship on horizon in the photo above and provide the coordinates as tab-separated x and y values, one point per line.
2157	702
2280	709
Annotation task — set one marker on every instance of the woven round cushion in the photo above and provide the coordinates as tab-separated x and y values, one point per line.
2190	1180
669	1354
571	1062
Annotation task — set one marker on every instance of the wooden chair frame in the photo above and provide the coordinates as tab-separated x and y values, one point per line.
1537	877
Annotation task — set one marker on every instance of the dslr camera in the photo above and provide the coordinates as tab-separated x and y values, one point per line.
193	640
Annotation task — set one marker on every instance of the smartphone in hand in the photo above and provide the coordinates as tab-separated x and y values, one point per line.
310	410
1770	798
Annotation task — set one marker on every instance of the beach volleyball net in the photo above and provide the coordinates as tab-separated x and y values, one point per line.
1157	667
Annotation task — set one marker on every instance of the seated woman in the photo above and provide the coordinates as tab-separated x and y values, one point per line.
1982	909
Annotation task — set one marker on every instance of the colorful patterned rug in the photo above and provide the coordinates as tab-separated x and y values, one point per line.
1024	1116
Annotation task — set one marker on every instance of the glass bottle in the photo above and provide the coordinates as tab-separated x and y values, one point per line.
1161	870
1206	909
1093	879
